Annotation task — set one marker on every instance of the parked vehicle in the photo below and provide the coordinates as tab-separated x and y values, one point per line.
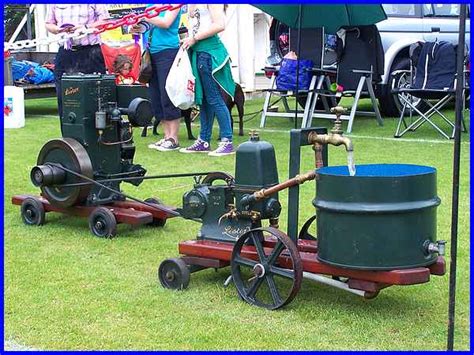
407	24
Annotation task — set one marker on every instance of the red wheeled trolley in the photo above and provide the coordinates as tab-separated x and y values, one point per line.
269	273
103	219
268	265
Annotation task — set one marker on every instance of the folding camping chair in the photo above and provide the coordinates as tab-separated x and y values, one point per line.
433	78
360	66
312	48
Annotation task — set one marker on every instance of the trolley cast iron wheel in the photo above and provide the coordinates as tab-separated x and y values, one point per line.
32	212
102	223
157	222
70	154
263	282
371	295
174	274
304	230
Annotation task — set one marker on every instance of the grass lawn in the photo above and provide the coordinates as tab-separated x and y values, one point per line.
65	289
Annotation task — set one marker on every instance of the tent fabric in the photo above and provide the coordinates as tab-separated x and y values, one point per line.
331	17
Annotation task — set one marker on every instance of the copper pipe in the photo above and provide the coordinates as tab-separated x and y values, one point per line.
297	180
318	155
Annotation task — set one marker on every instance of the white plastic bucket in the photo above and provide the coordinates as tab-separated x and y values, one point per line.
13	107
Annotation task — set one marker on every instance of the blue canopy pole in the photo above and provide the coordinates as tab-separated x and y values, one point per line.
456	162
298	49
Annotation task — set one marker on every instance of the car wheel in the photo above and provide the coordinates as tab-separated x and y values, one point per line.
391	105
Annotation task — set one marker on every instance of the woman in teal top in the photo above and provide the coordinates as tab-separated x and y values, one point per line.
211	67
164	45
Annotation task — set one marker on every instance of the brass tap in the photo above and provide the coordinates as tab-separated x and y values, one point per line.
335	136
232	214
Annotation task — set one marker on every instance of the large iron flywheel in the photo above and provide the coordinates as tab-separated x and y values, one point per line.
271	278
70	154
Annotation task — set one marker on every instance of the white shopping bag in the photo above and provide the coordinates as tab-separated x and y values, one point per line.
180	81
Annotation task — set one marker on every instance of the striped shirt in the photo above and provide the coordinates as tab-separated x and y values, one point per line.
78	15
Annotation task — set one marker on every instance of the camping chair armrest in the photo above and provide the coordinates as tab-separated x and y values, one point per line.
319	71
400	71
330	67
360	71
323	71
327	93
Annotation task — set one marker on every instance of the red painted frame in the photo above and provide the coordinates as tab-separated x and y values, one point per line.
366	280
127	212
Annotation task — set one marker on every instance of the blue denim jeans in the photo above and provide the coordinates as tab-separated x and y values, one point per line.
212	104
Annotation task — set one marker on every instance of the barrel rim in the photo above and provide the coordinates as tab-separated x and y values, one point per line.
343	171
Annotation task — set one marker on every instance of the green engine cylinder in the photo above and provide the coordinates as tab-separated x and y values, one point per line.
216	201
256	169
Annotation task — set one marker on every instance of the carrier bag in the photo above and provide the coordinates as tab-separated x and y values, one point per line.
180	81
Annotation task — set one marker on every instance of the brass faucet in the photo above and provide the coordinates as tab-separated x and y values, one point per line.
335	136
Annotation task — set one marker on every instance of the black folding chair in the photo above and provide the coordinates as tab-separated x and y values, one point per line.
433	81
312	48
360	66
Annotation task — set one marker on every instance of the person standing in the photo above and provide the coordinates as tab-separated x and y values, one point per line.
164	45
81	55
211	67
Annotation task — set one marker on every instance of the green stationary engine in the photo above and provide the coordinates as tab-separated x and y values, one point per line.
96	142
220	207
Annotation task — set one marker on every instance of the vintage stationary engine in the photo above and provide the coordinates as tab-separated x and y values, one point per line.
224	209
96	143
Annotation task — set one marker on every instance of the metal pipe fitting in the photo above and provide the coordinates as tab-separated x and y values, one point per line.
438	247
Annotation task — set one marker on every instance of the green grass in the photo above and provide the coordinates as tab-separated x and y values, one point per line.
65	289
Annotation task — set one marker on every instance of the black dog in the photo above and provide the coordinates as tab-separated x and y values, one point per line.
190	114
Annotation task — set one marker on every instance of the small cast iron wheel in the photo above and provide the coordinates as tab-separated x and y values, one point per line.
102	223
371	295
32	212
157	222
304	230
274	278
174	274
70	154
